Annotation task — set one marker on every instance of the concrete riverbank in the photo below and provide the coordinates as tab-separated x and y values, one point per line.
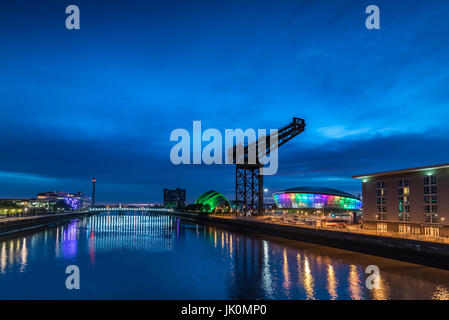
16	225
428	253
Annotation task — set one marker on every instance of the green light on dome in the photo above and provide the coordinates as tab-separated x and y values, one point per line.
213	199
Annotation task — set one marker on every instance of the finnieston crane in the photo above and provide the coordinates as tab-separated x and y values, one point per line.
248	177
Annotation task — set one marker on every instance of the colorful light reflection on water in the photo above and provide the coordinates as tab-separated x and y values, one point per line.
161	257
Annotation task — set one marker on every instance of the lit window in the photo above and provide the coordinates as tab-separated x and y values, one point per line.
381	200
404	200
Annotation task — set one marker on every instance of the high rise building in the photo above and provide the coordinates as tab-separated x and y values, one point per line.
174	198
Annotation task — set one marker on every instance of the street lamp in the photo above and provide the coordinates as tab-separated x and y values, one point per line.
265	190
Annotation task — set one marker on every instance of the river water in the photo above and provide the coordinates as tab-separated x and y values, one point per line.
149	256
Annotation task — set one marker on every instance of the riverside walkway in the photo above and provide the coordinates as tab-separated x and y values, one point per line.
18	224
279	220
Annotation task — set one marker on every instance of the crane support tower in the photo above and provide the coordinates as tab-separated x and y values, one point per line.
248	177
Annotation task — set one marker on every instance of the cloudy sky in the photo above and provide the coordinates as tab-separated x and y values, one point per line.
102	101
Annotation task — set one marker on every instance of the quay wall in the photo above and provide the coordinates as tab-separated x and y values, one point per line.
10	226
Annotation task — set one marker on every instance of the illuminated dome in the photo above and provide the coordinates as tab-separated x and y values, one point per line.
316	198
213	199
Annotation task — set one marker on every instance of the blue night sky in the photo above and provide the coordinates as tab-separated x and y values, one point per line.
102	101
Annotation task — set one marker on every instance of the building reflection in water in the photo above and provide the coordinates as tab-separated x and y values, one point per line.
285	271
267	283
70	240
250	267
3	259
215	238
222	240
382	293
92	247
309	282
13	253
441	293
332	282
230	246
354	283
128	232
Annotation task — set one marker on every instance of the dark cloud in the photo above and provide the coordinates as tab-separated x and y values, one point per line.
335	162
102	101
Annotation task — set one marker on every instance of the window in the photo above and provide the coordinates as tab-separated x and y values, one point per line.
382	227
381	201
430	199
404	228
432	231
404	200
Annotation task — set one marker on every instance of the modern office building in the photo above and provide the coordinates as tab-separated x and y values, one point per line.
45	202
319	201
174	198
408	201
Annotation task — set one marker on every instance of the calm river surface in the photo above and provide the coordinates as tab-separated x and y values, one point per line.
152	256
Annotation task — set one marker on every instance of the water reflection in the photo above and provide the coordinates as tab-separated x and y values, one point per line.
309	282
285	271
266	272
382	293
164	257
13	254
332	282
354	283
441	293
126	232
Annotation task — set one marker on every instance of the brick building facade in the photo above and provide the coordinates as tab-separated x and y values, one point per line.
409	201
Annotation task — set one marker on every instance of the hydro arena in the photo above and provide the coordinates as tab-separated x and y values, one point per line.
318	201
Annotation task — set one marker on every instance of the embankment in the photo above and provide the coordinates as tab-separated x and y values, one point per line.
10	226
